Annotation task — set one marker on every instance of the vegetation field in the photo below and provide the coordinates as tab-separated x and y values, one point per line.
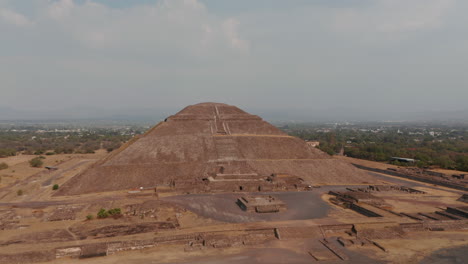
436	145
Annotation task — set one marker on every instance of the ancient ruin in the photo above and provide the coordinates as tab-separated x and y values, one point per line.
456	181
214	147
214	184
261	204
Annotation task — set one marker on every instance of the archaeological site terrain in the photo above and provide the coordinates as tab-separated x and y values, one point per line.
215	184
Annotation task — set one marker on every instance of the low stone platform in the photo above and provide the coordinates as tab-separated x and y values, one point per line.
261	204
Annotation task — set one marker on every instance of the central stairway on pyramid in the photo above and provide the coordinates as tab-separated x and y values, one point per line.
214	147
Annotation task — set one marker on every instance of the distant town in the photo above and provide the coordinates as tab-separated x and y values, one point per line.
440	145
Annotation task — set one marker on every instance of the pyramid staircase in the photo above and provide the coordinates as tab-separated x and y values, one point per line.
226	148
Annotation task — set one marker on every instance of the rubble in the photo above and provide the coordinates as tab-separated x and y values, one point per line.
123	229
64	213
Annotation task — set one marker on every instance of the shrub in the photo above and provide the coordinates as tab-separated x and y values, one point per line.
3	166
6	152
55	187
102	213
36	162
19	192
50	153
115	211
89	217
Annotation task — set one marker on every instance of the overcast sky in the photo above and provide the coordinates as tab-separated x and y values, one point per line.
334	56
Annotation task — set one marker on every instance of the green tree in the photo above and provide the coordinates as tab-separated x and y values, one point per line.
445	162
331	138
36	162
462	163
55	187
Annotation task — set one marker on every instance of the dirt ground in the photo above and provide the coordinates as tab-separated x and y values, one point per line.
417	246
447	255
296	251
36	183
33	221
278	252
367	163
384	165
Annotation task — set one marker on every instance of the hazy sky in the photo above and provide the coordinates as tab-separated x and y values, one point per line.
339	56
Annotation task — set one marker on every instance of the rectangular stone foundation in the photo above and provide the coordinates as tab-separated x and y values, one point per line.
261	204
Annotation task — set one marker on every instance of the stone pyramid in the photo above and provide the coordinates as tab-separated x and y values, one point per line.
203	139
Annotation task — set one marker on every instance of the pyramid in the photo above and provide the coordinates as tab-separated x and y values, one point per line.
205	140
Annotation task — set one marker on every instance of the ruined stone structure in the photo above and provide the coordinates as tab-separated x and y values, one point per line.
423	175
261	204
229	148
361	201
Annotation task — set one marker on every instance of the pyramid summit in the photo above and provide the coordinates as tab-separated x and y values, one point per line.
214	147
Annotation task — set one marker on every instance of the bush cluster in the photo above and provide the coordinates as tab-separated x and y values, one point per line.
51	143
448	150
6	152
114	211
36	162
103	213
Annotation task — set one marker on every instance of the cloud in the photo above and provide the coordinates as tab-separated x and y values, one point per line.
14	18
60	9
184	26
393	16
177	52
230	28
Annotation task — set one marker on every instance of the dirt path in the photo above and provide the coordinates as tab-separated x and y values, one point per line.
61	172
42	204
